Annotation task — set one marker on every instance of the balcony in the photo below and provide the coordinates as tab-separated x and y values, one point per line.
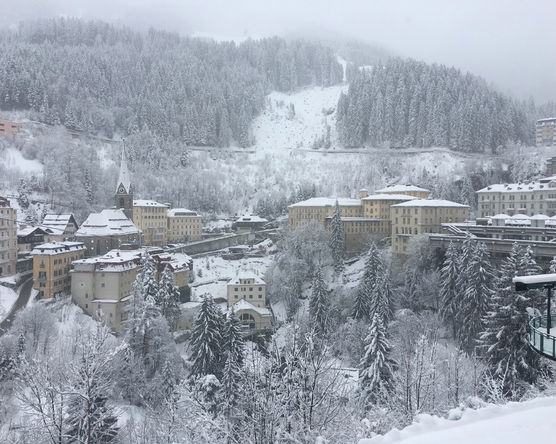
540	339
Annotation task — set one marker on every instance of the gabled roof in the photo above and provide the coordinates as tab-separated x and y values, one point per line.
243	305
27	231
107	223
58	221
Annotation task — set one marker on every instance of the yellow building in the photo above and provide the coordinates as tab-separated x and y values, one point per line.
422	216
8	128
52	265
545	132
184	225
152	219
247	295
362	218
8	238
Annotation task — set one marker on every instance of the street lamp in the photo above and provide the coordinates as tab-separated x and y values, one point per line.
548	281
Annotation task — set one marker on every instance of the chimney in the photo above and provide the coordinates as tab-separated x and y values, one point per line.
363	193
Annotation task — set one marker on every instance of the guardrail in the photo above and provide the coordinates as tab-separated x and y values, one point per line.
539	339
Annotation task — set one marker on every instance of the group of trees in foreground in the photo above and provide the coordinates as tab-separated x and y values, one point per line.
72	381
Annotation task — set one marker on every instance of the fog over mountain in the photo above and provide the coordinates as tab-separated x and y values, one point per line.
510	43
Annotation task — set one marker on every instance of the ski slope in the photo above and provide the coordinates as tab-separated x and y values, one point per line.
513	423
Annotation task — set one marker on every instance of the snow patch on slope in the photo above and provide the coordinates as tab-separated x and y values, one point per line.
513	423
278	128
14	159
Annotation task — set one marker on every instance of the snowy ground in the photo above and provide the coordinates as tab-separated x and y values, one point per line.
514	423
14	159
7	300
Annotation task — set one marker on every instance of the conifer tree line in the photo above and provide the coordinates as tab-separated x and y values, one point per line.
411	104
488	318
98	78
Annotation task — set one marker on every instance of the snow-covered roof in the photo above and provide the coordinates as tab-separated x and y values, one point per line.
357	219
430	203
59	221
124	178
523	187
148	203
182	212
536	279
251	218
23	232
107	223
246	275
242	305
400	189
388	196
57	248
327	202
548	119
113	257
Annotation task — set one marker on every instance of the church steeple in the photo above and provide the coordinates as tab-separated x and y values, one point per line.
124	193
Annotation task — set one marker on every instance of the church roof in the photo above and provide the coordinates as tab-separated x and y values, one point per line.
125	178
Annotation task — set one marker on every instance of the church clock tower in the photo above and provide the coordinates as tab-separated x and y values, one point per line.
124	193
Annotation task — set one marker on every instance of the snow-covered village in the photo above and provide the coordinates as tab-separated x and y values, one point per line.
277	222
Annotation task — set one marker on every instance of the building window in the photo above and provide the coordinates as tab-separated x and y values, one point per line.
102	285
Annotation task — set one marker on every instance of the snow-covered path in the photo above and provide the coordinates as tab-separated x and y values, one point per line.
513	423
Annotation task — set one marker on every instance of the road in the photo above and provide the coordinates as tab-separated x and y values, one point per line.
21	302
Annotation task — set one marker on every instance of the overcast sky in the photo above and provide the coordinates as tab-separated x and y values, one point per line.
511	43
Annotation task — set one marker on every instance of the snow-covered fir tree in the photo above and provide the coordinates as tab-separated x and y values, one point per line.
337	239
450	300
168	298
22	195
206	340
505	342
377	366
233	351
319	304
475	298
374	268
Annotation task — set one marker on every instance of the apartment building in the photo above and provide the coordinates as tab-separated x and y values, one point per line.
106	231
421	216
52	265
8	238
545	134
247	295
526	198
152	219
8	128
60	227
184	225
368	216
103	285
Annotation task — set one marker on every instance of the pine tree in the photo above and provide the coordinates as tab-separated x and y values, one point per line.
206	340
450	292
168	298
528	267
318	304
377	366
233	352
476	297
505	341
364	295
337	239
22	192
88	187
